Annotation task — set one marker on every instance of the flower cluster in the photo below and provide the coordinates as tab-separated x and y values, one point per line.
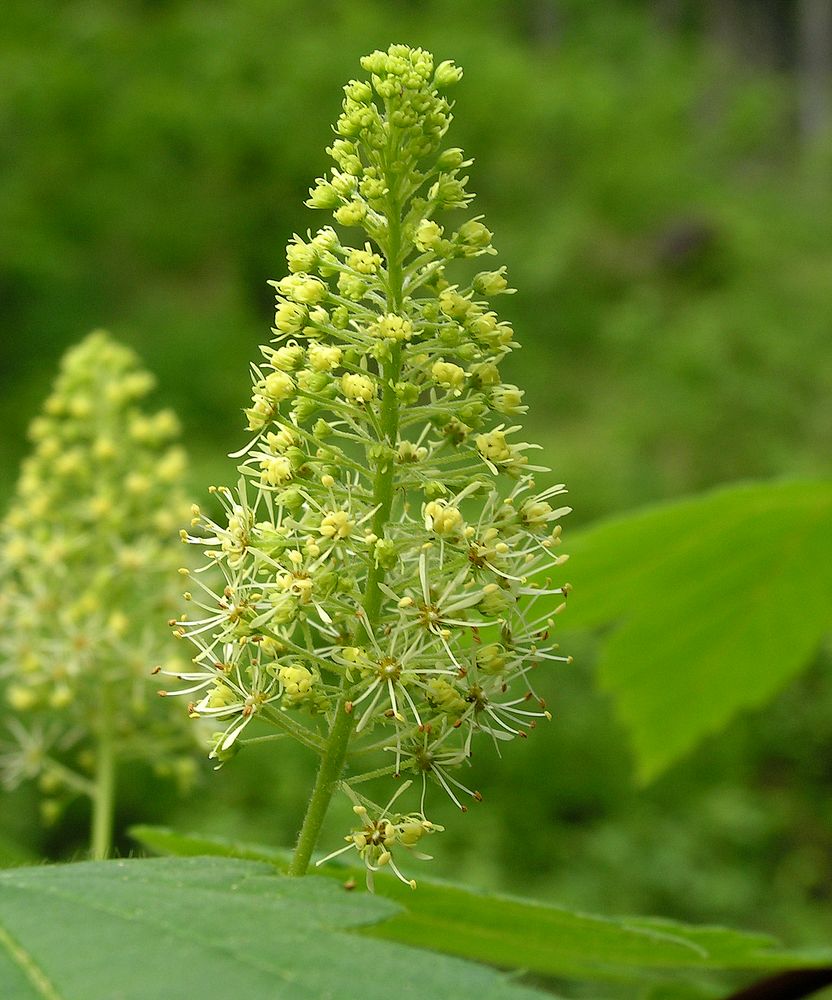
376	839
86	565
386	552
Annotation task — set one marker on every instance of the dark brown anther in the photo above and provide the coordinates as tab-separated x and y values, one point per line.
155	671
478	796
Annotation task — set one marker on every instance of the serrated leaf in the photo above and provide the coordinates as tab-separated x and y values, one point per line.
538	937
213	928
717	601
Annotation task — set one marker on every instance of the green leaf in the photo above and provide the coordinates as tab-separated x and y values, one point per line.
718	601
539	937
178	928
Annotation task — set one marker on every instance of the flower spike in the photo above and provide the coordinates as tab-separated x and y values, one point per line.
381	574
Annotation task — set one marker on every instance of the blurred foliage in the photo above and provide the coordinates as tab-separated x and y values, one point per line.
712	611
672	255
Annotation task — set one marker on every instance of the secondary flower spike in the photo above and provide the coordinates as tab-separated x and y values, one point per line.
383	563
86	565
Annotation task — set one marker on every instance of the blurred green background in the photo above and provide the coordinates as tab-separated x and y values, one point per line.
657	175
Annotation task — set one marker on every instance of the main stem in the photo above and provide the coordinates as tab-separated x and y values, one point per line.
103	794
334	755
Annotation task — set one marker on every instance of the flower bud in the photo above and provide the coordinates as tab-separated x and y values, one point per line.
428	234
301	256
385	553
298	682
492	658
474	235
493	446
447	74
358	91
444	697
324	357
351	214
276	470
448	375
508	400
336	524
310	291
453	304
323	195
289	317
450	159
490	282
278	386
394	327
441	518
351	286
364	261
357	388
449	192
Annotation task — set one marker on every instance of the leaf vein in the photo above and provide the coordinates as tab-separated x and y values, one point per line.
30	968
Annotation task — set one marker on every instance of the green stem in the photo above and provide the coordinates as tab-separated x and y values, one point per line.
335	752
334	755
103	795
379	772
329	772
292	728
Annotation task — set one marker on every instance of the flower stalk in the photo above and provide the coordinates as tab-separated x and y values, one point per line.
103	796
332	762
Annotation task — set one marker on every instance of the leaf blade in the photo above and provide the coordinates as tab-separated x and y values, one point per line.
540	937
719	600
175	928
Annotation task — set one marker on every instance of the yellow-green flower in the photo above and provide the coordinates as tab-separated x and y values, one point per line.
379	564
87	561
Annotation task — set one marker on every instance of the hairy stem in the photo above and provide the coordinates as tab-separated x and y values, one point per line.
329	772
334	755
